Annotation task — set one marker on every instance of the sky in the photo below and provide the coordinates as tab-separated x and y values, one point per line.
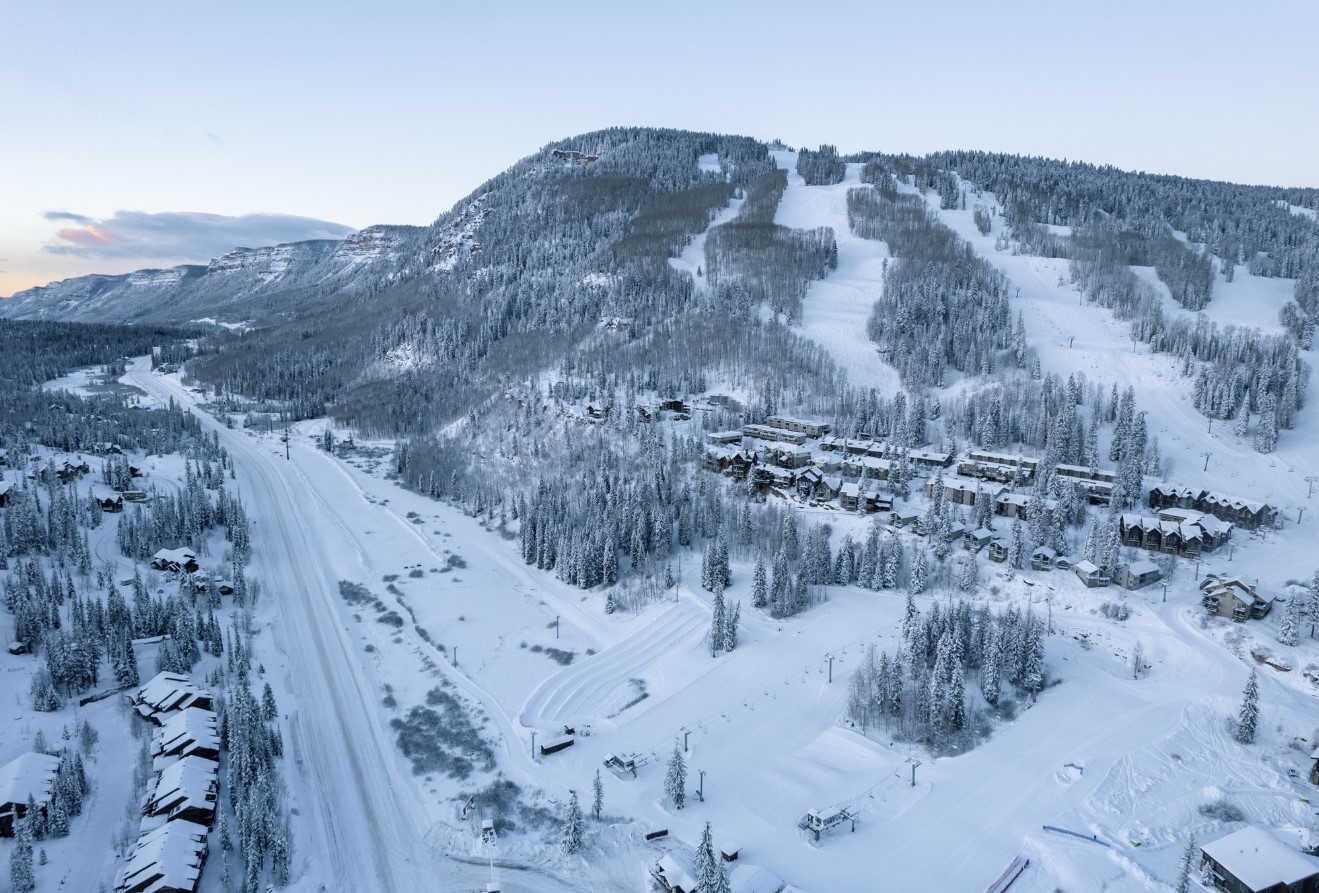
149	134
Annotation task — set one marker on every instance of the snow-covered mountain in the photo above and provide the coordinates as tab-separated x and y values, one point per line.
244	283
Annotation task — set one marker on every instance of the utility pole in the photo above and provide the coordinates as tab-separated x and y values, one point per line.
556	626
914	763
700	791
1165	592
455	655
1310	480
1207	454
286	444
533	745
831	668
685	732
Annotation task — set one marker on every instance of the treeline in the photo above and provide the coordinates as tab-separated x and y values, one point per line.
941	305
751	260
822	167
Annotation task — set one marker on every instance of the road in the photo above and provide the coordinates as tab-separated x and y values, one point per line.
363	824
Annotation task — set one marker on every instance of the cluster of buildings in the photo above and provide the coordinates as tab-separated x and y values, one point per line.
179	806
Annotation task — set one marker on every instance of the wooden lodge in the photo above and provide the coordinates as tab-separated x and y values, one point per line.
1174	532
1137	574
1241	512
167	859
1230	597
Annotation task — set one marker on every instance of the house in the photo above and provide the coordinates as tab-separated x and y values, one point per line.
723	438
188	733
29	776
809	427
789	456
167	693
1097	483
745	878
1254	861
849	497
977	539
1012	505
1230	597
1241	512
808	481
765	432
113	506
998	550
904	517
1042	559
186	790
167	859
930	458
1090	574
867	466
994	471
175	561
1137	574
674	874
1010	460
1174	532
964	491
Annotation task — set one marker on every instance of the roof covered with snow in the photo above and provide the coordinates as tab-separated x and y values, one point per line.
172	853
31	774
1140	568
744	878
192	781
169	691
1260	860
187	731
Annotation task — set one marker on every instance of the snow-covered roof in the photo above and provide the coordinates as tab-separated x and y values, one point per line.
31	774
1140	568
187	731
677	873
186	783
745	878
174	851
169	691
981	533
1259	860
1044	552
181	556
1086	567
5	487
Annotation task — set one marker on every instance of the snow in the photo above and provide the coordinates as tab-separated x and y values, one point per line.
28	775
1260	860
709	162
761	722
836	310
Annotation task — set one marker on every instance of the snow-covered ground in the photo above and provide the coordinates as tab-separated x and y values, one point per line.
1127	761
836	310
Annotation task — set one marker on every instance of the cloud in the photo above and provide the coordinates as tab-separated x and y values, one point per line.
181	236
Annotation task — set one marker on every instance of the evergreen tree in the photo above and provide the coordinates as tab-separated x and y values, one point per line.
916	581
675	778
1289	628
570	839
1188	862
759	585
21	877
718	620
598	796
730	627
1248	718
710	876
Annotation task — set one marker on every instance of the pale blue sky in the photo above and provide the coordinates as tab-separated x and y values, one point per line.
359	113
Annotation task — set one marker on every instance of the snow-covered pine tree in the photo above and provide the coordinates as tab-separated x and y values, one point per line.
1188	862
759	585
570	838
916	581
597	796
1289	628
730	627
21	877
718	619
675	778
1248	717
1266	432
710	876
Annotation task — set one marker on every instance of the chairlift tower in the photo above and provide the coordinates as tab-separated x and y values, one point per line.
489	849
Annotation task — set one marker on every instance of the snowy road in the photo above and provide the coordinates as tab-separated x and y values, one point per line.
340	766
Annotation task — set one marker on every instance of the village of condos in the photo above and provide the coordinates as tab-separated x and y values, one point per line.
798	458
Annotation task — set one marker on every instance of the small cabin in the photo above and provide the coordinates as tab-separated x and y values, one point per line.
1138	574
998	550
1254	861
977	539
1043	558
1090	574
